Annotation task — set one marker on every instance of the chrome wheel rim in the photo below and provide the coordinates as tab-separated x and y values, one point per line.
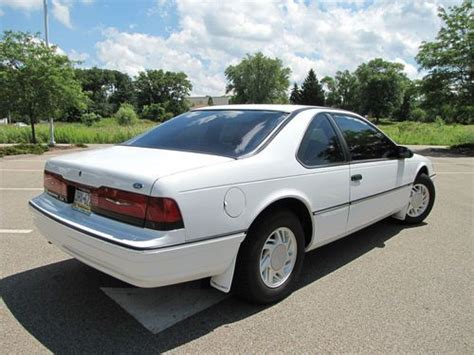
419	199
278	257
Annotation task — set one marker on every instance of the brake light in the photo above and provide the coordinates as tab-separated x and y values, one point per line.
163	214
55	185
140	210
118	204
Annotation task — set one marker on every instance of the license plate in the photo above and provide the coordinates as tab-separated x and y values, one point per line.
82	201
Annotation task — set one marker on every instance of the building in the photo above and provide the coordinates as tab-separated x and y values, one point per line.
202	101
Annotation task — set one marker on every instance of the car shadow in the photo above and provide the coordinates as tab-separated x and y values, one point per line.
62	306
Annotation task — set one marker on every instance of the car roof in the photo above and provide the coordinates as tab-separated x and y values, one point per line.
262	107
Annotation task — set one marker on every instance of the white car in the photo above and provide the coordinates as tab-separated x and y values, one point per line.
236	193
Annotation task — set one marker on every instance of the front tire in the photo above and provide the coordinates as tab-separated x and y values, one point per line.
422	197
270	258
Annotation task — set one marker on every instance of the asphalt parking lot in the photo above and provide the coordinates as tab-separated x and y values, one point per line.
387	288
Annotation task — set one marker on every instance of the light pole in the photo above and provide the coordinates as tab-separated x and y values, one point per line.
51	123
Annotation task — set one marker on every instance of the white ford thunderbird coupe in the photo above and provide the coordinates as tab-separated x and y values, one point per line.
236	193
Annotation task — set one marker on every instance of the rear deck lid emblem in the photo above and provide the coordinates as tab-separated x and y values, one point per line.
137	186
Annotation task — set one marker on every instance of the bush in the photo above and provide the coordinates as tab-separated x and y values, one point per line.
90	118
153	112
418	115
126	115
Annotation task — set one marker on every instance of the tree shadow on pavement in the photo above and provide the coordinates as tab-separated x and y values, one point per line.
62	306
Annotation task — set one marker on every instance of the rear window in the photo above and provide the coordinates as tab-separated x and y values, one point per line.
230	133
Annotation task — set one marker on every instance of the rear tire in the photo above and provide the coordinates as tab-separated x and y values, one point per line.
422	198
270	258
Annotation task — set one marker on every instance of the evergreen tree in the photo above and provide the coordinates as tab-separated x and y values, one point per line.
312	91
295	96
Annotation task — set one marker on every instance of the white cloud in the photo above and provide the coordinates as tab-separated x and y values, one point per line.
61	12
25	5
78	56
327	36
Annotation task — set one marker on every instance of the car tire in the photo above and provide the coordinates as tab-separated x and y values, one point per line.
418	210
259	275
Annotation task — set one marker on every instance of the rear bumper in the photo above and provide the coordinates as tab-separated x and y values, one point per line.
144	268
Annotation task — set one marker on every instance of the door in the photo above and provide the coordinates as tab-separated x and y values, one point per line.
326	178
376	184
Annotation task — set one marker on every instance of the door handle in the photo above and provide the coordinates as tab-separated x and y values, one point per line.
356	177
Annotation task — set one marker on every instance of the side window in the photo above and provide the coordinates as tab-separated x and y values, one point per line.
320	145
364	141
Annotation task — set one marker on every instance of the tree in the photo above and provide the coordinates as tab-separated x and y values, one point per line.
331	94
107	89
126	115
449	60
163	87
347	88
381	85
311	90
35	81
258	79
295	96
210	101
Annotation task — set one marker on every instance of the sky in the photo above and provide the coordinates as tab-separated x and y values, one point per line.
202	38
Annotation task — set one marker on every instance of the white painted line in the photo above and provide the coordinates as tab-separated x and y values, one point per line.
15	231
455	172
21	189
159	308
22	170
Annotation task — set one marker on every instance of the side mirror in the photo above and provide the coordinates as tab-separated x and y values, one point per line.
404	152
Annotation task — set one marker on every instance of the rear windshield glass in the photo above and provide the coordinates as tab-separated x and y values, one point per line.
230	133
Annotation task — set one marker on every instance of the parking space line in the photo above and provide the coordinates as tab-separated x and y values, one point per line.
15	231
21	189
22	170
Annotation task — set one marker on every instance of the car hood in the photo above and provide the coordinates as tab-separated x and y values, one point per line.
124	167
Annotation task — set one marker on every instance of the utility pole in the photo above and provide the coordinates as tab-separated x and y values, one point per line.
46	34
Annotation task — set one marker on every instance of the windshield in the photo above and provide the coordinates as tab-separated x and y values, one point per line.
230	133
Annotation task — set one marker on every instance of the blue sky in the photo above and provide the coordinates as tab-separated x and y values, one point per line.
203	37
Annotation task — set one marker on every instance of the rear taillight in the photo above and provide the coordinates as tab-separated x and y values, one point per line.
163	214
55	185
150	212
118	204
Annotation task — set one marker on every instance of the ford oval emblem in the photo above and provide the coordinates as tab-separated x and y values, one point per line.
137	186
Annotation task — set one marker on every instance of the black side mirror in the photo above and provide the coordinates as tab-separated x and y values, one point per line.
404	152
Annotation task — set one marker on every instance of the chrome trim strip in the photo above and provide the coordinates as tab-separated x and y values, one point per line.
336	207
124	245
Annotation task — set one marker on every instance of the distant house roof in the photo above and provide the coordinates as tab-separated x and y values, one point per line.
201	101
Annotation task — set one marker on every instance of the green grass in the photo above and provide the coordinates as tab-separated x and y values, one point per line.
105	131
428	133
108	131
23	149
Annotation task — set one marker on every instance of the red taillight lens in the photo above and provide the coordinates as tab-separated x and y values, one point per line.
163	214
122	205
56	185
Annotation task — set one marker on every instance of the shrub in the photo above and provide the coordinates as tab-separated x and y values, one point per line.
153	112
90	118
126	115
418	114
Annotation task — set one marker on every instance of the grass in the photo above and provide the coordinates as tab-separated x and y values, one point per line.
435	133
108	131
23	149
105	131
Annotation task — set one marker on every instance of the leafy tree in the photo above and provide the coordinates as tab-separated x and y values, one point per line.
331	94
36	81
381	86
153	112
163	87
210	101
410	101
449	60
295	96
347	88
126	115
312	91
107	89
258	79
